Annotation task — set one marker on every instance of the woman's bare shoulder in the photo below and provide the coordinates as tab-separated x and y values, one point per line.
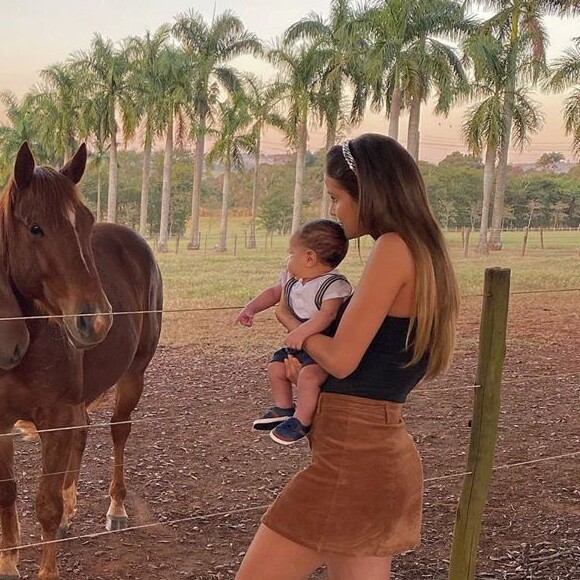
393	248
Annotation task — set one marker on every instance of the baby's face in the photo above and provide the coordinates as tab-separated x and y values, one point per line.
298	258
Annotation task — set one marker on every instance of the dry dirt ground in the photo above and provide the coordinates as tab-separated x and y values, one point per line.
199	478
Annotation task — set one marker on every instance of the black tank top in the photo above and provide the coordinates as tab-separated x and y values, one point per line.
382	374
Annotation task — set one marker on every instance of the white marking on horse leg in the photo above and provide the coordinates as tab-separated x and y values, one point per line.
69	497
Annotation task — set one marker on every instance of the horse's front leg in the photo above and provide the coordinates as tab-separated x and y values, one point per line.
56	449
69	490
8	515
129	389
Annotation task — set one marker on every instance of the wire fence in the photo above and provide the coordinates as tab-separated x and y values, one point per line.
228	513
218	308
183	420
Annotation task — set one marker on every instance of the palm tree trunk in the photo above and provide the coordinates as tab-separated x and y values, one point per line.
502	165
196	193
252	236
112	193
395	114
413	130
99	161
166	190
330	141
223	245
300	171
145	184
488	180
501	182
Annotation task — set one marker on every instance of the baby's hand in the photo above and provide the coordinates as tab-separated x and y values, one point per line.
245	317
294	339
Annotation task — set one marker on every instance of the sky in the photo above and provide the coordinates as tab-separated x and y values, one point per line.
37	33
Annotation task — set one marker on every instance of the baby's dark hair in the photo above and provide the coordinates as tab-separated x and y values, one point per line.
326	238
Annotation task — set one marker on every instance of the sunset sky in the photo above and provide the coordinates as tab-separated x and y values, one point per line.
35	34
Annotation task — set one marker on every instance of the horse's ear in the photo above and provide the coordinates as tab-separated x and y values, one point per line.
23	166
75	167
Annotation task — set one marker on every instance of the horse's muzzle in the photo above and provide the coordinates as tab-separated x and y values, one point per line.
89	327
14	346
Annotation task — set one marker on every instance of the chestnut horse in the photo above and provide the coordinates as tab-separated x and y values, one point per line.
14	336
60	263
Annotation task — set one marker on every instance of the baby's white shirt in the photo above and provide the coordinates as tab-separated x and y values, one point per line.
302	295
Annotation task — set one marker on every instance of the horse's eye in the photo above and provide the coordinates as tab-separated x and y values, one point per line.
36	230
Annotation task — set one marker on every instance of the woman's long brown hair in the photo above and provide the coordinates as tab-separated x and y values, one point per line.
391	197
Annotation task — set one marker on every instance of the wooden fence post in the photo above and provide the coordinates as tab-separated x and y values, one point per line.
542	238
466	243
525	241
177	244
235	243
486	408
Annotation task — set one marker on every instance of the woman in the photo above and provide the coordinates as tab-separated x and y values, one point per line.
359	501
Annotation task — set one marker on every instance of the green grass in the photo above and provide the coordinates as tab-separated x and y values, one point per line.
204	278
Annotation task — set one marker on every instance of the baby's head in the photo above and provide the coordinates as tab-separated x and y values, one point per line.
325	238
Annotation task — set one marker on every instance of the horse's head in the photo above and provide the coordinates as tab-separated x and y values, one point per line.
14	337
46	235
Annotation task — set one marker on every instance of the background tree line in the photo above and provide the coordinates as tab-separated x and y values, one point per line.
454	187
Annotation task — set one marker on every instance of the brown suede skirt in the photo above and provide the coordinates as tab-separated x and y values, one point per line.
362	493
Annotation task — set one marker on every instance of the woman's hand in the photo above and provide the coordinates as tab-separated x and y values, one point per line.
292	366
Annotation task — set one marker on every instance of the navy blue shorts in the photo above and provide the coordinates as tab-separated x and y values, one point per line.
303	357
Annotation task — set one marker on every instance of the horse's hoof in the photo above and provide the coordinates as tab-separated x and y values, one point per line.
61	533
116	523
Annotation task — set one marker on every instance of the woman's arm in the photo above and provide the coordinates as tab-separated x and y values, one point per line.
390	270
317	323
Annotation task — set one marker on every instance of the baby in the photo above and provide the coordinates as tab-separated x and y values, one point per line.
314	291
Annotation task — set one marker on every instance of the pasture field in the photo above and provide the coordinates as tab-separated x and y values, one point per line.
199	479
205	279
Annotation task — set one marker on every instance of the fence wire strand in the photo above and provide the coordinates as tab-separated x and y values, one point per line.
215	308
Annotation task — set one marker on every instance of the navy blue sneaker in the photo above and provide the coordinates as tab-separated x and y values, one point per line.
272	417
289	432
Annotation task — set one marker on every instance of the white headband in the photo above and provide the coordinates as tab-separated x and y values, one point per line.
348	157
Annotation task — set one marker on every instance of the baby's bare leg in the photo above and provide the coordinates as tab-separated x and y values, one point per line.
310	380
280	386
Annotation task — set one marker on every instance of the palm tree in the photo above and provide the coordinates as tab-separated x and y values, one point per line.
261	102
148	90
58	107
519	26
343	38
93	128
21	127
482	126
406	59
439	66
566	73
301	68
174	70
210	48
105	69
234	137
